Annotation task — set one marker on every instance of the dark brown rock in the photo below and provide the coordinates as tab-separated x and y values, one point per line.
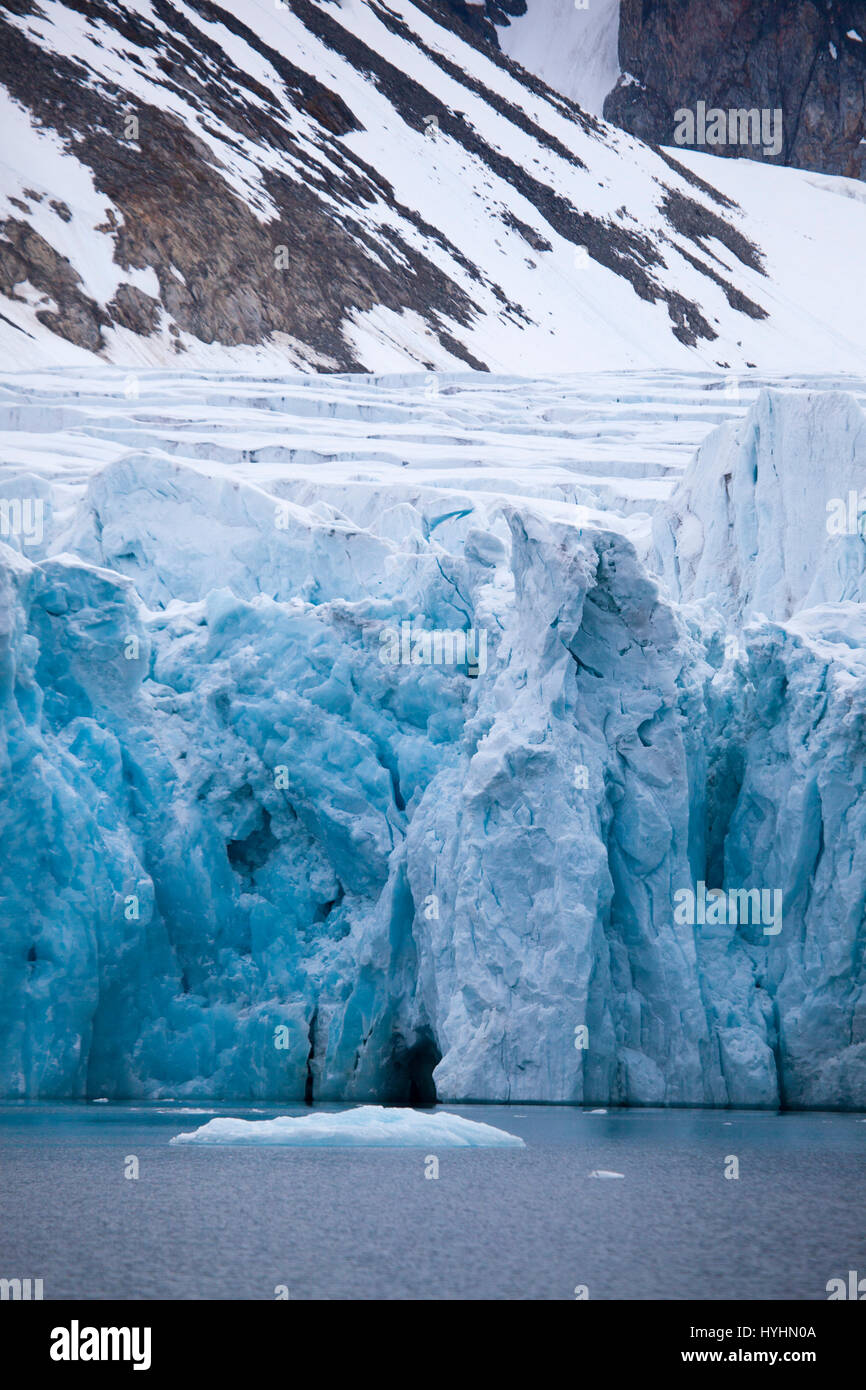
735	54
26	256
133	309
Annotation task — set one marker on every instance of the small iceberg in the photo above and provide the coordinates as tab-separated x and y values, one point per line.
602	1173
185	1110
368	1126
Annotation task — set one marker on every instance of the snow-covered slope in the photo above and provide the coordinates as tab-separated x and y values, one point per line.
572	47
354	185
352	748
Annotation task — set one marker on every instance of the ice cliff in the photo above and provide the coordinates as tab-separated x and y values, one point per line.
258	841
771	512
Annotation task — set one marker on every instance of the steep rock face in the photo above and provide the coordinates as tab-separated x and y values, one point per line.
805	57
482	17
183	217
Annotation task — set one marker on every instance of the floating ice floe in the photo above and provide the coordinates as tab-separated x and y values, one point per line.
368	1126
605	1173
183	1110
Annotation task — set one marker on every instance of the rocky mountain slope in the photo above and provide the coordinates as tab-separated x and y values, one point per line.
360	185
575	50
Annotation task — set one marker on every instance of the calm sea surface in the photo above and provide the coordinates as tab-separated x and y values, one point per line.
235	1223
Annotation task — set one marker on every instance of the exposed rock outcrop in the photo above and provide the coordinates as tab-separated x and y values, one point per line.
806	59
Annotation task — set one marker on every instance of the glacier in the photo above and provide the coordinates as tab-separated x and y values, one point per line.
769	515
247	856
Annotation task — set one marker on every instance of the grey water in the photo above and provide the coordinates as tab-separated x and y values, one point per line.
532	1223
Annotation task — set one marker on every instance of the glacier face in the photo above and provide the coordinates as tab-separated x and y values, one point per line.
264	838
769	515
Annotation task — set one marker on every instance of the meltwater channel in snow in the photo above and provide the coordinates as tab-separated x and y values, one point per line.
367	1126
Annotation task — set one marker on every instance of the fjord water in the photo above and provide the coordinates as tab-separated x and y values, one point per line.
234	1223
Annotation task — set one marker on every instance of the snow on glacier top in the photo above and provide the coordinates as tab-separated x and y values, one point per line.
587	448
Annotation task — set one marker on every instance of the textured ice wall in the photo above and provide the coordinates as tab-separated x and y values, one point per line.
766	531
235	817
245	856
788	781
763	521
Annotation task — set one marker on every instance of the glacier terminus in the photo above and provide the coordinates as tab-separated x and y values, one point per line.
247	855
